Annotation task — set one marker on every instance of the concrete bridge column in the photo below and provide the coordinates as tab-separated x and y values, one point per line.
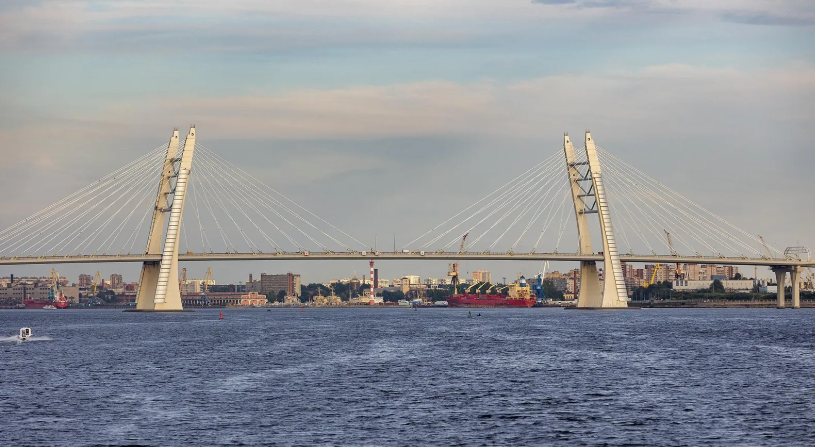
795	276
590	294
780	277
158	289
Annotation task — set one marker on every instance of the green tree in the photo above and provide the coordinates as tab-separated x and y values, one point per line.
717	287
392	297
551	292
281	295
737	276
107	296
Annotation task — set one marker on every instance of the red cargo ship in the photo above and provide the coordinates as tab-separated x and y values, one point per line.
476	300
55	296
517	294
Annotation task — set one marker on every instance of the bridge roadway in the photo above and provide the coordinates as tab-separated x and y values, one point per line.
401	256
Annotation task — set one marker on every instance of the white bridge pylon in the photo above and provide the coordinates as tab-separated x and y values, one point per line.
589	197
155	290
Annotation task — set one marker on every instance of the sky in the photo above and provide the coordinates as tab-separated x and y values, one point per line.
387	117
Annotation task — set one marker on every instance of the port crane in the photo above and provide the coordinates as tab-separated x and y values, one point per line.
654	274
182	280
766	248
96	282
207	279
538	288
453	270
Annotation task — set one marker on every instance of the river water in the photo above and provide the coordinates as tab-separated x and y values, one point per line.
646	377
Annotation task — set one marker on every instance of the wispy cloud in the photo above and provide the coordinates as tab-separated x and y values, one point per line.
757	12
248	25
530	109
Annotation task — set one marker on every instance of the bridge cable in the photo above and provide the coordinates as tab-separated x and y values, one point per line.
242	197
532	169
30	220
696	233
273	210
46	218
514	186
684	199
127	176
255	182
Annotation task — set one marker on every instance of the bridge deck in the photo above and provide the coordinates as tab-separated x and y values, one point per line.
400	256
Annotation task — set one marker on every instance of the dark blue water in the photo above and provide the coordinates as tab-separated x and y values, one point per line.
404	377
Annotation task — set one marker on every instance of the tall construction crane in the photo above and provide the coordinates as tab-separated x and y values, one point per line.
207	279
766	248
679	273
463	239
182	280
538	288
452	272
654	274
97	282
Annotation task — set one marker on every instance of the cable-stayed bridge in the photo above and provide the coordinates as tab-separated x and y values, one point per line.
230	215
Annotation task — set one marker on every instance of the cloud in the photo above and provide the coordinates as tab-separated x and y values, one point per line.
490	108
754	12
253	25
531	108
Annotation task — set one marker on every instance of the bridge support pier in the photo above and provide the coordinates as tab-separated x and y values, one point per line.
780	277
795	280
614	293
795	276
158	290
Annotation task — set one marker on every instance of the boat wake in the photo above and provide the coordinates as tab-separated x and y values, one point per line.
14	338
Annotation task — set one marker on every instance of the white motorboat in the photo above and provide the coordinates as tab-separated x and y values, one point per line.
25	333
49	307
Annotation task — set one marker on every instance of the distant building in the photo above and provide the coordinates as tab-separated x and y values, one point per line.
18	292
200	283
190	287
666	272
253	299
85	280
730	271
115	281
692	272
71	293
217	299
287	282
253	285
741	285
412	280
482	276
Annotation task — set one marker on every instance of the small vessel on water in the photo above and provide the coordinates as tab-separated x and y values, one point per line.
25	333
441	304
49	307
